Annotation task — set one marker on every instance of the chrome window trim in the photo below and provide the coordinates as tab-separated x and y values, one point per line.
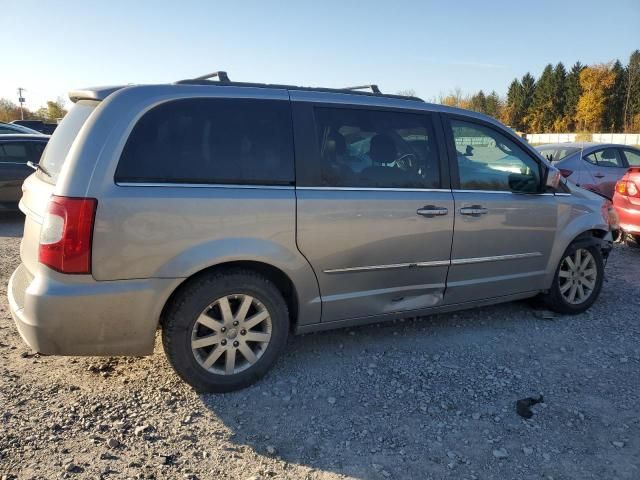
203	185
435	263
562	194
501	191
13	163
376	189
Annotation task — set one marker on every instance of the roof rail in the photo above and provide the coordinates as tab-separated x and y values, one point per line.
222	76
374	88
223	80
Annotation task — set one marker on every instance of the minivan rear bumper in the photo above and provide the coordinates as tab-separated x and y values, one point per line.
80	316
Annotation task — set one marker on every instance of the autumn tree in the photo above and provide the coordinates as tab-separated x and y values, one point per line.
595	82
53	111
9	111
453	99
598	97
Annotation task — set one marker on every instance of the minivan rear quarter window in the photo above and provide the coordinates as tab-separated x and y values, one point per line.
54	155
210	140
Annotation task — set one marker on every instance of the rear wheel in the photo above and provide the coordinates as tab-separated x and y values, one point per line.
578	280
224	330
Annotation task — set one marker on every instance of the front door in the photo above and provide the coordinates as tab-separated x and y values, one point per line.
375	219
504	225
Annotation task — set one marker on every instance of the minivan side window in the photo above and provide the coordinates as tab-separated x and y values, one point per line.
375	149
489	160
211	140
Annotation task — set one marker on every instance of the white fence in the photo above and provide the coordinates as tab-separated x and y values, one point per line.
621	138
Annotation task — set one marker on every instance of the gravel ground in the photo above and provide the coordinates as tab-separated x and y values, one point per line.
426	398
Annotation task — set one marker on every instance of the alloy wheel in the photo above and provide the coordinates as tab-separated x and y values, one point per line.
231	334
577	276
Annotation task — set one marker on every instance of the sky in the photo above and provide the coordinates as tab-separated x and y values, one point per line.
431	47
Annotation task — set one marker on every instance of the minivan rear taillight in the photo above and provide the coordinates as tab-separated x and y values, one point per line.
65	238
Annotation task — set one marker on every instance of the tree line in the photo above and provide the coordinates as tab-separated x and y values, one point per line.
10	111
594	98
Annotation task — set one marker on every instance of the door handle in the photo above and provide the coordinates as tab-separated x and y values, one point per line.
432	211
599	175
474	210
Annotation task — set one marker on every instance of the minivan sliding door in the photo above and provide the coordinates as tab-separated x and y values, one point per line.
374	217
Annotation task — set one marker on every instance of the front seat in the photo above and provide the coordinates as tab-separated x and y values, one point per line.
382	150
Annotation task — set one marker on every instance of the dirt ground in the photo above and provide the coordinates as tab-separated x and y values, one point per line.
421	398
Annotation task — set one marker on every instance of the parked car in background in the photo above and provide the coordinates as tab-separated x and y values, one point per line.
13	129
37	125
15	152
593	166
231	214
626	201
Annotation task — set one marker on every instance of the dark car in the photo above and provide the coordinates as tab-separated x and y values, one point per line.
15	152
12	129
594	166
37	125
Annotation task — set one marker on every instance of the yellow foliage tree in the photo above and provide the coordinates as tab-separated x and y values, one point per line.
595	82
450	101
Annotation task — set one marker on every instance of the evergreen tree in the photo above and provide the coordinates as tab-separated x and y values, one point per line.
479	102
603	97
541	114
573	90
559	94
632	96
493	105
512	113
613	120
528	90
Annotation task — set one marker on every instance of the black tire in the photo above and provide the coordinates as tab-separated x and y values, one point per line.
555	301
193	298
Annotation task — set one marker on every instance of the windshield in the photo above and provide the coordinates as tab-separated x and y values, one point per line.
54	155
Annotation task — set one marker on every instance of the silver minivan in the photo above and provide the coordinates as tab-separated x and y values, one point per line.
231	214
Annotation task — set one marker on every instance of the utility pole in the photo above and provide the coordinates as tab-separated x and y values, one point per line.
21	101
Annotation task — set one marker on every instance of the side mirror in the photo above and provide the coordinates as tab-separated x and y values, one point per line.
552	178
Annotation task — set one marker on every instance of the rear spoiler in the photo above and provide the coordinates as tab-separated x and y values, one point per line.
93	93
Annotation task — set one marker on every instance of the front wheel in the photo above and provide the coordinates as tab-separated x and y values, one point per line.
224	330
578	280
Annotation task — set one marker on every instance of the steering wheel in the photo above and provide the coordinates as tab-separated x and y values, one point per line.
407	161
